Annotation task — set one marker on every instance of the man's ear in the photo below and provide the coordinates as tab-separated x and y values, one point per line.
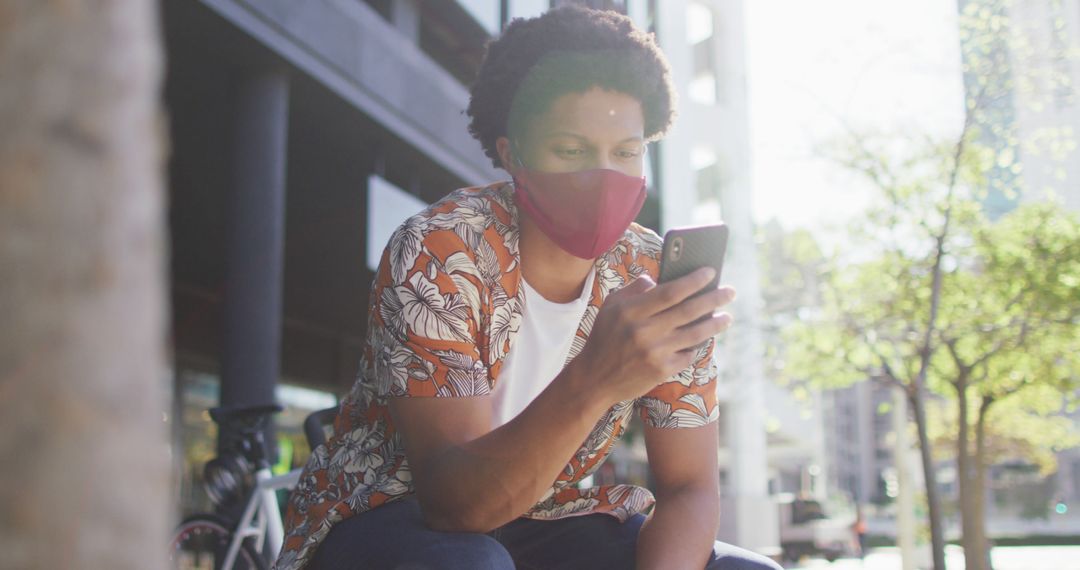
506	153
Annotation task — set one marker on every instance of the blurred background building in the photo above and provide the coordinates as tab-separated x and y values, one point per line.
1037	113
297	129
1030	95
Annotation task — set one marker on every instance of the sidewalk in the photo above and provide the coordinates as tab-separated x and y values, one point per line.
1004	558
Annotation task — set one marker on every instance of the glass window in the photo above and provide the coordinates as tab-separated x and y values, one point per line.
388	206
699	23
1076	479
1064	94
642	13
299	403
196	437
700	34
485	11
195	434
527	8
709	185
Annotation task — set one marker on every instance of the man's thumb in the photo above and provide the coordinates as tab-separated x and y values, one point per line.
639	285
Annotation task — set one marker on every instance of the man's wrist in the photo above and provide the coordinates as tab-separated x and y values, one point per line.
582	386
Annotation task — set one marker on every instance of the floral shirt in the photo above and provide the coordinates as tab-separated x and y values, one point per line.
445	308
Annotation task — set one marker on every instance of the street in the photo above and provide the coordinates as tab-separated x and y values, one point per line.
1004	558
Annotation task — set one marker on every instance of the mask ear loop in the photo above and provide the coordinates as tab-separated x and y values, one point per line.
516	151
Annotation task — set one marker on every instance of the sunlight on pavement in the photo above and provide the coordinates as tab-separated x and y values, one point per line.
1005	558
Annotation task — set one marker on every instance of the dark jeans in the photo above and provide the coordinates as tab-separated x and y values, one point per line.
394	536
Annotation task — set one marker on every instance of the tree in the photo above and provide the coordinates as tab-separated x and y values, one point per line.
916	307
881	298
85	480
1011	337
792	265
938	298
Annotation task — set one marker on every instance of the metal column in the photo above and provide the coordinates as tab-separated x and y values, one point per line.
256	239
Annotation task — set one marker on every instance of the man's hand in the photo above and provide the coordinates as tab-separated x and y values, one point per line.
645	332
471	478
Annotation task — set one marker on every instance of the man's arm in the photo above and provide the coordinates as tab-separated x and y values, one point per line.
471	478
682	527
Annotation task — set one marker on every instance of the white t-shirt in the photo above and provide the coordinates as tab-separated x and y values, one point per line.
539	351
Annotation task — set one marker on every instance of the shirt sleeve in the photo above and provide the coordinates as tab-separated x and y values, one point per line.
424	317
687	399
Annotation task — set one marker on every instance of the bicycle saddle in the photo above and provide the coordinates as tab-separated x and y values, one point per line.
315	425
221	415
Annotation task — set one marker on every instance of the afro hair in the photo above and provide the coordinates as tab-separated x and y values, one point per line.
570	49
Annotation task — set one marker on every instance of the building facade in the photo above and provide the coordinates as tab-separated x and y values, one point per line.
295	129
1022	72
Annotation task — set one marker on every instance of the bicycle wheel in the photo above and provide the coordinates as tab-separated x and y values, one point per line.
201	542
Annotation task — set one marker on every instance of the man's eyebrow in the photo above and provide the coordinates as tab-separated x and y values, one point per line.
570	134
635	138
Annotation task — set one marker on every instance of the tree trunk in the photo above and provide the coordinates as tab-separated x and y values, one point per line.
980	541
933	504
83	373
967	481
963	469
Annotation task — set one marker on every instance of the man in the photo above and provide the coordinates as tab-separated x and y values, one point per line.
513	330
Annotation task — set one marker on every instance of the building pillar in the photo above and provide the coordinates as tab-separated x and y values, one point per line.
748	504
256	238
905	499
748	514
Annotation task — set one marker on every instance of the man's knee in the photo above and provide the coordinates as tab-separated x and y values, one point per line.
728	557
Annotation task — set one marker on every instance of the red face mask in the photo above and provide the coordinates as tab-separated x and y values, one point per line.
583	212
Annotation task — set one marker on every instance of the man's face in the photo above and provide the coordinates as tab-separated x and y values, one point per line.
583	131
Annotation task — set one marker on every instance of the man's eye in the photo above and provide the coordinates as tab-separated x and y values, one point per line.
570	152
629	153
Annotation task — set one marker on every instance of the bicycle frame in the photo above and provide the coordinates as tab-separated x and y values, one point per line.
262	515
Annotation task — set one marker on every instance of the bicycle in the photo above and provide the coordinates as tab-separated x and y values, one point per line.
205	541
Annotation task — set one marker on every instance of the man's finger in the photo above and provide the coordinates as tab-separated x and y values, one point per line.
690	336
694	308
667	295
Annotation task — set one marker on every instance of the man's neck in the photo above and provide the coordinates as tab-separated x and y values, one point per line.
549	269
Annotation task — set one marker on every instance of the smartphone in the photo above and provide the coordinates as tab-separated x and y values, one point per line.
688	249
